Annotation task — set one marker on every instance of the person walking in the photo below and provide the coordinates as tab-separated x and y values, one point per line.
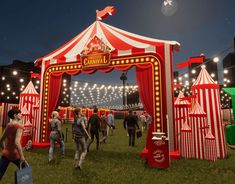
143	121
130	123
94	127
55	135
79	133
110	118
12	151
148	120
103	126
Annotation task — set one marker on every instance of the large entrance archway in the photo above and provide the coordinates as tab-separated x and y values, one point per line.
152	58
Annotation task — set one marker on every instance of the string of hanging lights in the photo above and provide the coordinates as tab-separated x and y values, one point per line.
88	94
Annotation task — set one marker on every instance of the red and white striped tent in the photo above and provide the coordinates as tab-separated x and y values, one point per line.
25	113
181	109
198	123
122	46
121	43
28	98
208	96
186	146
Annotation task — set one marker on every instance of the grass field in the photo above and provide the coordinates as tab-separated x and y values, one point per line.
116	162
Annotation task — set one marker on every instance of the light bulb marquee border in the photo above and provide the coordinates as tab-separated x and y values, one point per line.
123	61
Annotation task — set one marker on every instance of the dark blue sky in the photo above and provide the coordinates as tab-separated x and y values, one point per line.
31	29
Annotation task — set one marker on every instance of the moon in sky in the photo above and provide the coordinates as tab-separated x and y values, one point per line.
169	7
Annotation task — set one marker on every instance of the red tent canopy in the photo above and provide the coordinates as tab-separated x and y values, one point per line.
121	43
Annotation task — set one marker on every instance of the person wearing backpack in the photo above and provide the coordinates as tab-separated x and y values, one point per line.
55	135
79	133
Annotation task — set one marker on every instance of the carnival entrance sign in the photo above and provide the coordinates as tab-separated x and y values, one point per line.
104	48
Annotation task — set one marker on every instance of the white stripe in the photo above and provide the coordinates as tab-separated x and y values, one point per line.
124	52
214	109
77	49
150	49
128	40
208	106
101	35
142	37
65	47
53	61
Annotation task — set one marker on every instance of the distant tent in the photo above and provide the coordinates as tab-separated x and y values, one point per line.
28	98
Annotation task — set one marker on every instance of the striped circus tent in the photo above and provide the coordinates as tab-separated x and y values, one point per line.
197	119
25	113
186	145
181	110
28	98
35	123
210	147
120	43
208	96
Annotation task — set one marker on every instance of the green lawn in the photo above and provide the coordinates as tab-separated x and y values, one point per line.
116	162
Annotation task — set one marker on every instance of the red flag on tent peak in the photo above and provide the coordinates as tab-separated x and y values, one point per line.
102	14
197	59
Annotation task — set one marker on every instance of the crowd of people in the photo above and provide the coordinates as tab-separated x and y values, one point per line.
84	131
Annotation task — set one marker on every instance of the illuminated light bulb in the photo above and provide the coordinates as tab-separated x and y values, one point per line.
216	59
14	72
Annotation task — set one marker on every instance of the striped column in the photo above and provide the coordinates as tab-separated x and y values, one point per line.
181	110
186	146
36	123
197	119
210	147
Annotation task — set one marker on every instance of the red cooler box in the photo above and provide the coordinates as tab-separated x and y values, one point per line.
158	155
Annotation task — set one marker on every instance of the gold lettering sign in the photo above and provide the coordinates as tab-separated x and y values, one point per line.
96	60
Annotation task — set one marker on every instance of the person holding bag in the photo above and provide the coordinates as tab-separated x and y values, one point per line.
130	123
55	135
12	151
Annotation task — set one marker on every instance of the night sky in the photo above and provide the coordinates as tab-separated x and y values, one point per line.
31	29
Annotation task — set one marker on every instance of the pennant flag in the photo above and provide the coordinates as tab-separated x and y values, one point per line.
198	59
102	14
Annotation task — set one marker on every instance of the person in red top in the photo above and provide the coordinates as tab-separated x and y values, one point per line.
12	151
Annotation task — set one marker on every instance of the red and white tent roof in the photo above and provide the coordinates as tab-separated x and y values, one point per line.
24	111
179	100
209	135
197	110
204	78
30	89
186	127
120	42
28	124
